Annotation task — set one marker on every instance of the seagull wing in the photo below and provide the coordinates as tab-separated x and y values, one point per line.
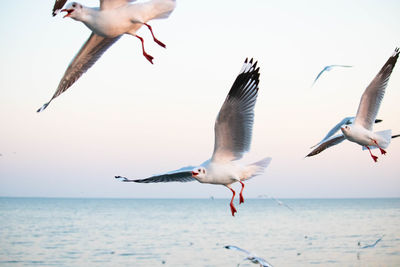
262	261
337	139
320	73
90	52
373	95
181	175
347	120
342	66
237	249
58	5
234	124
110	4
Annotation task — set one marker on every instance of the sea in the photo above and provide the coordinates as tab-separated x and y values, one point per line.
194	232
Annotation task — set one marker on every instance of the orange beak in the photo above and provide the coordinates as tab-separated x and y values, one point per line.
194	174
69	11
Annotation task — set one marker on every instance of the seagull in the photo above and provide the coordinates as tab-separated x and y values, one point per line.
329	68
360	131
233	131
371	245
108	23
330	139
250	256
280	203
359	128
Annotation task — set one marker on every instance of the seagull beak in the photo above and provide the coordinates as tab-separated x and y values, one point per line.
69	11
194	174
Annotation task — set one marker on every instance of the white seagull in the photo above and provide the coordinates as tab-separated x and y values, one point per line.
329	68
250	256
107	23
330	139
233	132
360	130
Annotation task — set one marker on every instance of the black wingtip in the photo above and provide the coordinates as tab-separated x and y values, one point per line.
378	121
43	107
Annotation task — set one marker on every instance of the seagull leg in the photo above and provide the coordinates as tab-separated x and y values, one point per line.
375	158
233	209
154	38
147	56
383	152
241	199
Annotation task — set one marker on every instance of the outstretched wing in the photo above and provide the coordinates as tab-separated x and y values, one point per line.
320	73
90	52
181	175
58	5
110	4
373	95
345	121
234	124
337	139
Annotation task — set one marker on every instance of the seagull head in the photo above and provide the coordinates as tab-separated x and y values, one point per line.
73	10
346	129
199	173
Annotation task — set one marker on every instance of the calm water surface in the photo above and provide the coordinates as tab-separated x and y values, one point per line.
188	232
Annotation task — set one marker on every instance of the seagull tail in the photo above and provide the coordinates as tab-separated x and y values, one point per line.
257	168
384	139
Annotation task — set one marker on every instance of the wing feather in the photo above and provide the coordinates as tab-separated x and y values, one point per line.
90	52
337	139
181	175
373	94
234	123
110	4
58	5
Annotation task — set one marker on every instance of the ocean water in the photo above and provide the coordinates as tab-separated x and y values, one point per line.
193	232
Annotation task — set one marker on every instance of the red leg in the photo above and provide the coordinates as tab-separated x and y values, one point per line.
241	199
233	209
154	38
375	158
383	152
147	56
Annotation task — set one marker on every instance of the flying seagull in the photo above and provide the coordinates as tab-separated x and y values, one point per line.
108	23
280	203
371	245
250	256
360	131
233	131
329	68
330	139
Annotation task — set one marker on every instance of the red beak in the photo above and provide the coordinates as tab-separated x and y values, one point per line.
194	174
69	11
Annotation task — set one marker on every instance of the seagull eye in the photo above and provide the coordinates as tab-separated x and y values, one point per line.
73	5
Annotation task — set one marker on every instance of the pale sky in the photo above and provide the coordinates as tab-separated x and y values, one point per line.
128	117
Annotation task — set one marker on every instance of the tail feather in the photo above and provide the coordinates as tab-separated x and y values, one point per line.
384	139
256	168
162	9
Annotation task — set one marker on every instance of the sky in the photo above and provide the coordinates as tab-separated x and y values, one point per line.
128	117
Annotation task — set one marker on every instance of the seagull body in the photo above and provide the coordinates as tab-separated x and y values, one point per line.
358	129
233	131
329	68
108	23
251	257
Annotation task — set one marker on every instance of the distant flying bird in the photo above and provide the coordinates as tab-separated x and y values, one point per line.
233	131
250	256
329	68
359	129
371	245
108	23
280	203
330	140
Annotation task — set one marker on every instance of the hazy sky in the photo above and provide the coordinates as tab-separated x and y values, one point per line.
128	117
